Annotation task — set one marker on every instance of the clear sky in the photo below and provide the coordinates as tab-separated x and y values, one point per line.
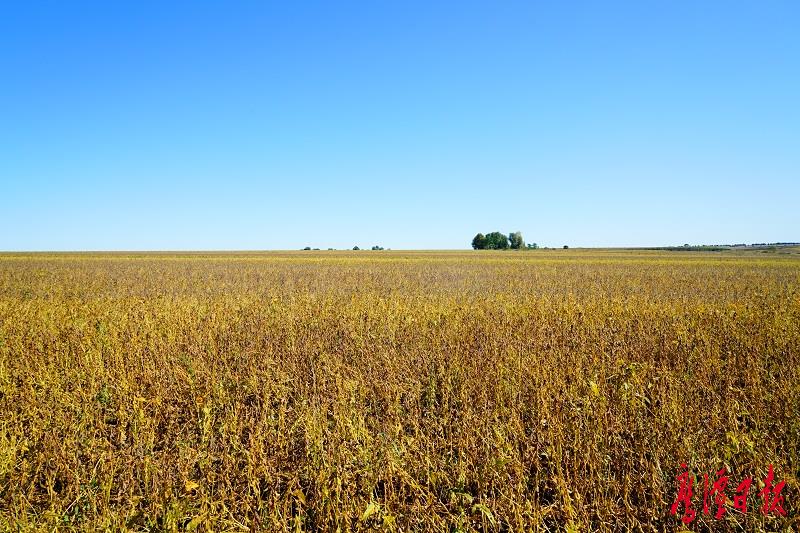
278	125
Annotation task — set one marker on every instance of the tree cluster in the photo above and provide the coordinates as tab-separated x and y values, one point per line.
498	241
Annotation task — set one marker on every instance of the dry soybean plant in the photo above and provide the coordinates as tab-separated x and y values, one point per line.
400	391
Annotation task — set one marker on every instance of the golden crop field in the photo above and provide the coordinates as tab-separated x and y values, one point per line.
397	391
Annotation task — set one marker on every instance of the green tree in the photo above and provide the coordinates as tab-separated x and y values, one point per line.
479	242
496	241
516	240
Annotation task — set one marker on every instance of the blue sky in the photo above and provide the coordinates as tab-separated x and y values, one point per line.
406	124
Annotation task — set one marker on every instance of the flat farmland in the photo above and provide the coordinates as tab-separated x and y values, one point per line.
397	391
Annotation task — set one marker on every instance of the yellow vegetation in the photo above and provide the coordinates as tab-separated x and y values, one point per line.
325	391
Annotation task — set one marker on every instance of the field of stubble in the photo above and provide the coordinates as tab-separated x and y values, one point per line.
397	391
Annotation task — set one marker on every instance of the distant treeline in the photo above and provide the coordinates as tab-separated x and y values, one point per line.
499	241
721	247
356	248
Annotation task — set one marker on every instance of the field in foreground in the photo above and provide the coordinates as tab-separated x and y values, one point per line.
394	390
